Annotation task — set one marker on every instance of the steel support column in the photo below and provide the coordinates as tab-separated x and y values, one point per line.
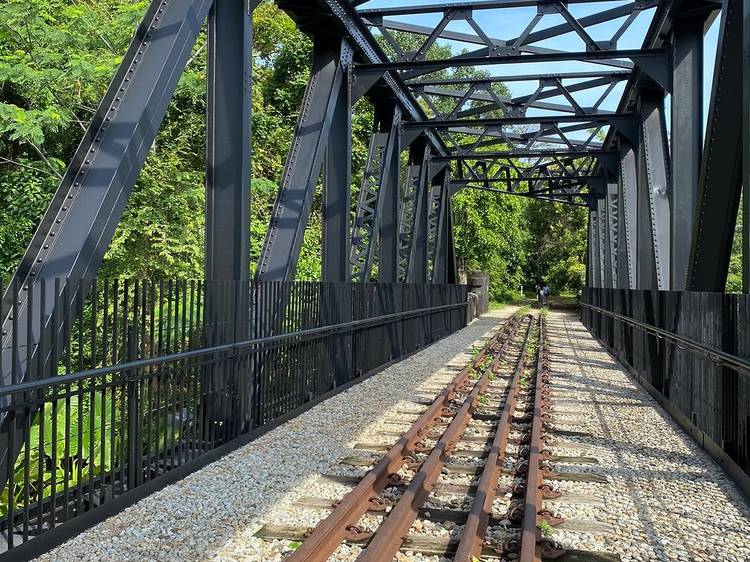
228	141
721	167
628	212
377	188
391	186
450	249
595	267
655	171
441	264
227	253
436	223
687	135
281	248
418	256
337	186
612	210
412	207
603	241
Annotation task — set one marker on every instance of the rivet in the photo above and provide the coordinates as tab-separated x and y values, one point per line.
58	221
46	246
38	260
64	208
87	162
52	233
70	196
108	119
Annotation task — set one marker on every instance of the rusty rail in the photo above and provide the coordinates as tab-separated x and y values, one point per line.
532	543
389	537
472	537
341	523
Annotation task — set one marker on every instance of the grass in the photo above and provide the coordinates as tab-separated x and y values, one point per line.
546	529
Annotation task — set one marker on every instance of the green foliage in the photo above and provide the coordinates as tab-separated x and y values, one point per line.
546	529
489	236
58	463
734	279
556	246
56	60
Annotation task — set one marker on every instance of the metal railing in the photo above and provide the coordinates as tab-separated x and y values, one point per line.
693	350
125	382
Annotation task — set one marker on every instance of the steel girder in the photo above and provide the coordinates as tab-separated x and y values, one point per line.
330	69
337	183
687	105
627	216
439	193
440	254
655	173
377	187
228	142
602	242
612	210
595	267
412	259
721	168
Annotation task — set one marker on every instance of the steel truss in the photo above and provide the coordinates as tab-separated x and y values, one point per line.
449	116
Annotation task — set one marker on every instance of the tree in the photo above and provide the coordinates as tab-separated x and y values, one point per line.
556	245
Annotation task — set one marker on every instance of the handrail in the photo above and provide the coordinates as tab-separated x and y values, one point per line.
716	355
264	342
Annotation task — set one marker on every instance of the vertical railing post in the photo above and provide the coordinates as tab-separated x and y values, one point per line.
134	414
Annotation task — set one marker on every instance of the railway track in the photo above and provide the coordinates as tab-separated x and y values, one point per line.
475	461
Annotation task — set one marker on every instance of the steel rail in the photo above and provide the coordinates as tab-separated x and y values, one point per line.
390	535
531	549
329	533
472	537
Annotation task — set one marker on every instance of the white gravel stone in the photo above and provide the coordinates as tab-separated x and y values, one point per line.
214	513
666	499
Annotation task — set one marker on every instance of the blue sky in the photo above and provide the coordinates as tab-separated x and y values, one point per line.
507	23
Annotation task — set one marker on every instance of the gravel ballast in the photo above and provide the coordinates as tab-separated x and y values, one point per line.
666	499
213	513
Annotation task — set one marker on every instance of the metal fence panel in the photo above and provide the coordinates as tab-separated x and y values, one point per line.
136	379
691	347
